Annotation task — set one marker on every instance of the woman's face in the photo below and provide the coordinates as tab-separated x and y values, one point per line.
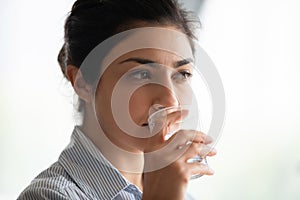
140	82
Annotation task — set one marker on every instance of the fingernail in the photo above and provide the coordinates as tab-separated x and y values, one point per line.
211	170
209	139
214	150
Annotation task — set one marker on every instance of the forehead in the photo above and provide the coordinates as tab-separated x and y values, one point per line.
151	41
156	55
165	40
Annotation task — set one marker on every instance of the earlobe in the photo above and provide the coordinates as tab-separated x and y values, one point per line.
71	72
81	87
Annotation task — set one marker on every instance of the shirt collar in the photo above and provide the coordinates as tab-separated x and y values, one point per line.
91	171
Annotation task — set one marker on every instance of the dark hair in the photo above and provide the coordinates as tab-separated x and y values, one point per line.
90	22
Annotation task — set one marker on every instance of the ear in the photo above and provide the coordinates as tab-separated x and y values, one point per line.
81	87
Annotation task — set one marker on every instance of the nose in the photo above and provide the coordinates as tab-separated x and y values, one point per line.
165	98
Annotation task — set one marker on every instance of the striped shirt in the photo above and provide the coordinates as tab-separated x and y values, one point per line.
81	172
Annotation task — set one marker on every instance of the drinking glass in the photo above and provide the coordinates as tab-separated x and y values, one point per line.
184	117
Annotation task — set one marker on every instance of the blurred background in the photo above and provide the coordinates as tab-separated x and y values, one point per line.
255	46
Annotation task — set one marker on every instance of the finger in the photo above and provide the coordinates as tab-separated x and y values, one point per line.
199	168
198	149
184	136
174	119
204	150
200	137
166	123
213	152
205	139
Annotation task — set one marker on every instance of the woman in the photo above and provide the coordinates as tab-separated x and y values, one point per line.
124	56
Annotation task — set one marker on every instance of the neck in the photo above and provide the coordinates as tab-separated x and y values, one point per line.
134	178
130	164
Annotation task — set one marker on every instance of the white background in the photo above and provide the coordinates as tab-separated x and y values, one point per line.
255	46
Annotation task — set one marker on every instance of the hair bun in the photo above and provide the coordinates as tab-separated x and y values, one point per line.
85	4
62	59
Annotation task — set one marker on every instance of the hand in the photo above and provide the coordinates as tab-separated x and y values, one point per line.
167	171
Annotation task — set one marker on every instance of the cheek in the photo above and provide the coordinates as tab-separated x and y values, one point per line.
184	95
102	106
139	104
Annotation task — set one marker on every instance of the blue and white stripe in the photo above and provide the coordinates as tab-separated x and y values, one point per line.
82	173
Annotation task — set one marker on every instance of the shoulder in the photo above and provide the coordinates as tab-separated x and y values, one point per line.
53	183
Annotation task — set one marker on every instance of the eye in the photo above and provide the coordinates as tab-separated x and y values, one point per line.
140	75
182	75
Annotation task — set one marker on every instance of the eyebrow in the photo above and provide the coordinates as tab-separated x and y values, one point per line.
144	61
183	62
